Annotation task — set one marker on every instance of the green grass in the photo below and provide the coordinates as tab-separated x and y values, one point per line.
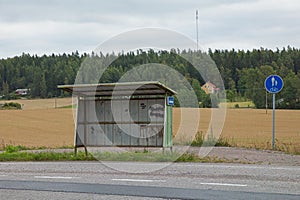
135	156
14	148
15	154
44	156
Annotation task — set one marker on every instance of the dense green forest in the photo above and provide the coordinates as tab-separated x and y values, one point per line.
243	72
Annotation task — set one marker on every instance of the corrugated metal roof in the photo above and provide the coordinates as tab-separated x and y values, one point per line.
119	89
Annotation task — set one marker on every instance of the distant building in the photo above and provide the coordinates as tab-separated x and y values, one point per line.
210	88
22	92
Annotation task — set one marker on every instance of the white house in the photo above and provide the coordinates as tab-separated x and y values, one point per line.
22	91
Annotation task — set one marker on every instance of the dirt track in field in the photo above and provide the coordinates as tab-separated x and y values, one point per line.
45	126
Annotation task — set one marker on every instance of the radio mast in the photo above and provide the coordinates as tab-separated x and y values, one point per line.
197	28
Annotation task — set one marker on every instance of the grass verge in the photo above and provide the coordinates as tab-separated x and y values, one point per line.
14	148
138	156
44	156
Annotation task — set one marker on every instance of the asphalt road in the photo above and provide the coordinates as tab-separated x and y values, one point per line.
94	180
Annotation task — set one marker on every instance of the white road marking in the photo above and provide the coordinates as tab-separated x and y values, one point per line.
55	177
218	165
224	184
2	175
137	180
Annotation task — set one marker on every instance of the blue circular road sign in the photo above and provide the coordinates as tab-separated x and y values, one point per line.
273	83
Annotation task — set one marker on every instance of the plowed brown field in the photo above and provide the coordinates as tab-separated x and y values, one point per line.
39	124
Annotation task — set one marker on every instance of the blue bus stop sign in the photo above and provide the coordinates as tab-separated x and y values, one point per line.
170	101
273	83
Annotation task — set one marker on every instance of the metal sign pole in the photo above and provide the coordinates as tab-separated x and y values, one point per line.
273	84
273	123
266	102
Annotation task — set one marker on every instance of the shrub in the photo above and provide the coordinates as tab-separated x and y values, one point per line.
198	140
211	140
11	149
11	106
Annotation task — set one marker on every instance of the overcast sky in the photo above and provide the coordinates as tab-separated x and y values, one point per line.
58	26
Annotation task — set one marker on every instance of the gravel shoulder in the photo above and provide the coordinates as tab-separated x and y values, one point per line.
266	157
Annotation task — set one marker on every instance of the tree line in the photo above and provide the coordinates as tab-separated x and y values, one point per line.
243	72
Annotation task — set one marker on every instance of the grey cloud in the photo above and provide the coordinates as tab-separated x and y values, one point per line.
94	10
69	25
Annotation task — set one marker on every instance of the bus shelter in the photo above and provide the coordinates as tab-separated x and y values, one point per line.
128	114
